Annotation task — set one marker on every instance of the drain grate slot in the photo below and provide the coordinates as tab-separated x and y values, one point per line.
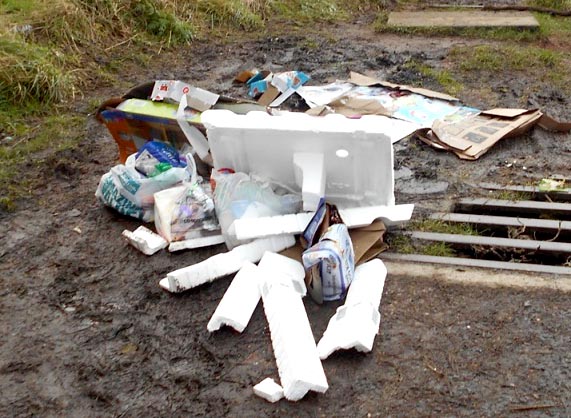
495	233
498	223
482	206
535	192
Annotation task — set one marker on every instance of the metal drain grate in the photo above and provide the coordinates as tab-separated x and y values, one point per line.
523	235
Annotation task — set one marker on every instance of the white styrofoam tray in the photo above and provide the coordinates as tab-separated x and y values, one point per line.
358	153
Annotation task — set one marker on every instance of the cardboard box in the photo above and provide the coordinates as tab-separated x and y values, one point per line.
133	119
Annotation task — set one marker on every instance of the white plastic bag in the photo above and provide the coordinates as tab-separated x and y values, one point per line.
238	196
131	193
185	212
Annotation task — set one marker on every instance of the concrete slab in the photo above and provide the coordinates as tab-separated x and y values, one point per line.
462	19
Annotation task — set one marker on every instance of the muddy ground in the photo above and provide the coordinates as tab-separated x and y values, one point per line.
86	331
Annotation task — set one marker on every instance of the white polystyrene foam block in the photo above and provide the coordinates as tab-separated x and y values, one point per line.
239	302
309	173
145	240
296	354
351	327
357	153
356	323
196	243
245	229
269	390
223	264
294	270
368	284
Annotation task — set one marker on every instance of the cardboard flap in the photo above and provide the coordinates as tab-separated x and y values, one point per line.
506	112
547	122
365	81
269	96
350	106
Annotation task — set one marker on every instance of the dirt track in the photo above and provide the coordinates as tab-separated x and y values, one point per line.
87	332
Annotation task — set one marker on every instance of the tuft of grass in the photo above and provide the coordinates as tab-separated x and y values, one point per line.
543	65
551	4
435	225
439	249
401	244
504	57
151	17
31	73
311	10
449	84
232	13
512	196
554	28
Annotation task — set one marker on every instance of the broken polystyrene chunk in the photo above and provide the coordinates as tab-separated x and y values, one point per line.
223	264
196	243
295	224
309	172
356	323
239	302
272	262
145	240
296	355
269	390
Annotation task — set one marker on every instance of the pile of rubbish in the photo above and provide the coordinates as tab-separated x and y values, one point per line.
301	200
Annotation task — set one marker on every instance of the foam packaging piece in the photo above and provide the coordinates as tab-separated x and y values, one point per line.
295	224
145	240
190	244
356	323
239	302
357	154
269	390
298	362
294	270
223	264
309	173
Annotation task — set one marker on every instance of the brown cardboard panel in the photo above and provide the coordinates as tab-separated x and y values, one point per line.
363	80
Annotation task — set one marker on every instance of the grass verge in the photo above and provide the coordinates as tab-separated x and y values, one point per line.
55	132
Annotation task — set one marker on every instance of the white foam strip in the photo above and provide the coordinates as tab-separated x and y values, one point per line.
196	243
368	284
239	302
249	228
272	262
296	355
356	323
223	264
